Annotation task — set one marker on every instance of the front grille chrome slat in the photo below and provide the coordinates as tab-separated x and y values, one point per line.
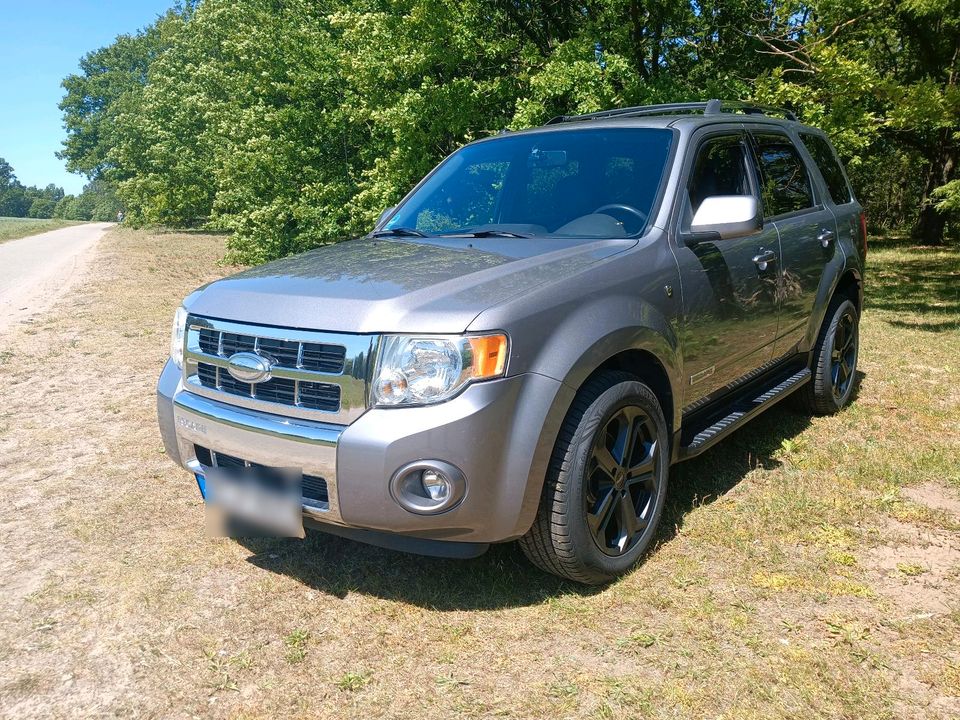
291	373
313	375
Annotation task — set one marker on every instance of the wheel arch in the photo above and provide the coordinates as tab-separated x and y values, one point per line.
647	354
646	367
850	284
846	281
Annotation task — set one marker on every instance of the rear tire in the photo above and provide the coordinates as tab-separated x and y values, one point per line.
834	364
606	483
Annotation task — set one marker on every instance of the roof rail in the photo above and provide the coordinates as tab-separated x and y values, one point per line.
710	107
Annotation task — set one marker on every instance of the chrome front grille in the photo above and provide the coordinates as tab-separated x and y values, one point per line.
323	358
311	395
324	376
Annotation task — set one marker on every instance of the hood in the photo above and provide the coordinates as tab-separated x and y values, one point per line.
424	285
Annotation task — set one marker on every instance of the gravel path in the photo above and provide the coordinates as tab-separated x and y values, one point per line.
36	270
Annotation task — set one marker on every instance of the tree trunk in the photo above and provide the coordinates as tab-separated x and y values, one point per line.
931	223
637	20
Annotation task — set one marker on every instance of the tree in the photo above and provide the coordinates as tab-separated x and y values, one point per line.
110	81
293	123
98	201
7	176
69	209
19	201
883	79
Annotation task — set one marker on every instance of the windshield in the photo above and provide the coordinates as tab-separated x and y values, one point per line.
598	183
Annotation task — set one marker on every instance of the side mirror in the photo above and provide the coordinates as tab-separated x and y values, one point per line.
383	215
729	216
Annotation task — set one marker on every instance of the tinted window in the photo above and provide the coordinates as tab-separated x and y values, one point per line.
471	201
720	169
829	166
545	184
784	185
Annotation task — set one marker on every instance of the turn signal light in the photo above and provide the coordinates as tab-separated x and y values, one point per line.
489	355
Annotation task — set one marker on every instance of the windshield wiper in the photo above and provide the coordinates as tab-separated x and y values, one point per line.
399	232
490	233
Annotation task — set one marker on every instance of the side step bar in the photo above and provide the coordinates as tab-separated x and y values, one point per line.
742	412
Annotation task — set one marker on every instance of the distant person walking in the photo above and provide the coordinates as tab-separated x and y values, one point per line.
120	216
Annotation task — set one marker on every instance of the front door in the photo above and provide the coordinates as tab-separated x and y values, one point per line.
729	286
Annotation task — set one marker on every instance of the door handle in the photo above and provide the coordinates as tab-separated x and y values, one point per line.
764	258
825	237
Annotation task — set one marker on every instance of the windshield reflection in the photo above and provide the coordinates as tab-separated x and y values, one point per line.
589	183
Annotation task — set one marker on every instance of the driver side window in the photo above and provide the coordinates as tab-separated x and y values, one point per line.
720	168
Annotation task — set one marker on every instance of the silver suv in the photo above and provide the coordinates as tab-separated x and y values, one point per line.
526	343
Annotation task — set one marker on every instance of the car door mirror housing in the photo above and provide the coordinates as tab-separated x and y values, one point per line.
729	216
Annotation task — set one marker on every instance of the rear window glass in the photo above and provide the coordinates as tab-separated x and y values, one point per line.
784	185
823	156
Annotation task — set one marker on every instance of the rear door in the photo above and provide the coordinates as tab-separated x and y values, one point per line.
838	194
807	228
730	299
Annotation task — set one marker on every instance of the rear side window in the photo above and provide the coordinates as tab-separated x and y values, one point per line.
829	166
784	184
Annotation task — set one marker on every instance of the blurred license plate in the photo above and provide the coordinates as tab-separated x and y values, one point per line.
254	502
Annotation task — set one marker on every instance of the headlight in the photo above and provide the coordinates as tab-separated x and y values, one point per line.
176	336
425	370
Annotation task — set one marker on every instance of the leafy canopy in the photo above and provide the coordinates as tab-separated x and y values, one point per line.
293	123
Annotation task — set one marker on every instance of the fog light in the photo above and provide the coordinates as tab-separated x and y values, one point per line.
436	485
427	487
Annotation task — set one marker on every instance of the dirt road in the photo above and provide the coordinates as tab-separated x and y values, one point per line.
36	270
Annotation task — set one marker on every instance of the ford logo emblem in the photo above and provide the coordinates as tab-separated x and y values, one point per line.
249	367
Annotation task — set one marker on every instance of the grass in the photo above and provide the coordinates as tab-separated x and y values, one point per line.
15	228
806	568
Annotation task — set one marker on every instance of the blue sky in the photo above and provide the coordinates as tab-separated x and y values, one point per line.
41	42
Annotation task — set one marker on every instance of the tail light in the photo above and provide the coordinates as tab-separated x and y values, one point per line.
863	234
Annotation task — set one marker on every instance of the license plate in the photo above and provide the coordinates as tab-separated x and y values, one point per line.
253	502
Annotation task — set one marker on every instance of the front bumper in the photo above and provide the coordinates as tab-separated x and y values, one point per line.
499	434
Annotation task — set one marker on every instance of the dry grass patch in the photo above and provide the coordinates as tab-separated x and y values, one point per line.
776	589
14	228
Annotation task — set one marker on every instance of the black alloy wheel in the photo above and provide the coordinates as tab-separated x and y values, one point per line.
605	488
833	360
622	484
843	357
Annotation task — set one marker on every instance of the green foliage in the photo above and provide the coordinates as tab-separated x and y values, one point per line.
293	123
110	83
17	200
948	197
98	201
69	208
882	80
42	208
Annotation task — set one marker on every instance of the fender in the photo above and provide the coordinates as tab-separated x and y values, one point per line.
603	328
839	266
594	332
582	343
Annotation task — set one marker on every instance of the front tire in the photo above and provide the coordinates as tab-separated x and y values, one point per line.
834	364
606	483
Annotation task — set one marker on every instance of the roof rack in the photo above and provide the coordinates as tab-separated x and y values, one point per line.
711	107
